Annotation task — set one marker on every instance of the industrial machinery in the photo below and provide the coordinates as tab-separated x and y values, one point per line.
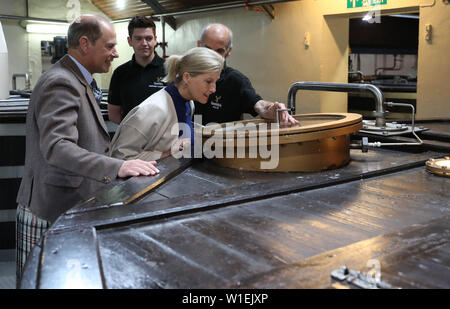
318	142
367	221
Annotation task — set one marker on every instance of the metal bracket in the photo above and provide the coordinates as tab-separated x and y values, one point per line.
359	279
158	8
269	10
282	110
394	129
363	144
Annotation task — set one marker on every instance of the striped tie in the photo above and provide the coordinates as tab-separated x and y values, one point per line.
97	92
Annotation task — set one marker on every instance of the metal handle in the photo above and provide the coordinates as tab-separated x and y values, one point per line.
419	141
277	110
375	91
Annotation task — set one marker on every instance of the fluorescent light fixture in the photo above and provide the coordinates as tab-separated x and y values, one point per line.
368	16
47	28
406	16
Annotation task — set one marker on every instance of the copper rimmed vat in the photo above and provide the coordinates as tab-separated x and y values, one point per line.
319	142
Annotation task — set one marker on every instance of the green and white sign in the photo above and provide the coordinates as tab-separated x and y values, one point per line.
364	3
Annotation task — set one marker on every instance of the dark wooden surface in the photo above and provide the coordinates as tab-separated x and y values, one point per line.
413	257
227	246
212	227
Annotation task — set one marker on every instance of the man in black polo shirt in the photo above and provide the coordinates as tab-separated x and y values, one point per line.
137	79
234	94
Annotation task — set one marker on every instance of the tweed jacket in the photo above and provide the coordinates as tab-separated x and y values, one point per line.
66	144
148	130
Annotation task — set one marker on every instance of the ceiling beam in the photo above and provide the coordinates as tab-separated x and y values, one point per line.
269	10
159	9
218	7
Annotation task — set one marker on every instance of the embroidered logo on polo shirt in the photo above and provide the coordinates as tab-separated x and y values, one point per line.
157	84
215	102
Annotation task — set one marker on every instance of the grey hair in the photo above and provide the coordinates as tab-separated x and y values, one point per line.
203	35
196	61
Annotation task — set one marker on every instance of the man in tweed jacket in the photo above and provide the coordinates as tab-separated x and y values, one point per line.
67	140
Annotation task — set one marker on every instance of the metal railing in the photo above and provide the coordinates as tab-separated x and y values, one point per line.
337	87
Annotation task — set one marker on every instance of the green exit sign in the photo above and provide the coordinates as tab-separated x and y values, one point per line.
364	3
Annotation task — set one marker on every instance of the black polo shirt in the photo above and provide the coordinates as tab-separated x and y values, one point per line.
234	96
131	83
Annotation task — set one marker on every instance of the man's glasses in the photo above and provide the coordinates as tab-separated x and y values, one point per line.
220	51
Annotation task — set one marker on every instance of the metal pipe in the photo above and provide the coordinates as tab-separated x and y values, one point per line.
361	75
420	142
27	80
2	16
233	5
13	100
277	111
375	91
27	8
163	22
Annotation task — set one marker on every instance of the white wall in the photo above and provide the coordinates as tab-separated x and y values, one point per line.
13	7
270	52
17	42
433	93
24	49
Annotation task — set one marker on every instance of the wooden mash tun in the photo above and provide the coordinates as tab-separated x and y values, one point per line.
320	142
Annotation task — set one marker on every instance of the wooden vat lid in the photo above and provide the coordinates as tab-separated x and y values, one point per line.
311	126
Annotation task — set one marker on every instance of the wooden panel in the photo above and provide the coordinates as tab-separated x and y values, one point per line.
230	246
232	229
131	8
139	8
80	270
395	251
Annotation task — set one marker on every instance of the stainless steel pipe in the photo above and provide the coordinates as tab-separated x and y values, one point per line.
27	80
337	87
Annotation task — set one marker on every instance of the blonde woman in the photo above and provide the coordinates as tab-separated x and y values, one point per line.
150	129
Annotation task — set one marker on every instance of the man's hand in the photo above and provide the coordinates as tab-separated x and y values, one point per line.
268	110
137	167
284	116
